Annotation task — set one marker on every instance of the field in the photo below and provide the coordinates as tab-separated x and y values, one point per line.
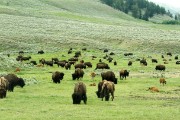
56	25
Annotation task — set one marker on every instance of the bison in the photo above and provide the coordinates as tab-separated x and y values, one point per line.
176	57
14	81
123	74
79	93
57	76
68	66
79	73
102	65
162	81
177	62
129	63
143	62
104	89
160	67
110	76
40	52
80	65
4	84
153	89
154	60
88	64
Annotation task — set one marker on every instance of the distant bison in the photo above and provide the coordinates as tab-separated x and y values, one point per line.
79	73
177	62
68	66
41	52
80	65
102	65
128	54
154	60
162	81
105	50
143	62
110	76
129	63
57	76
176	57
123	74
169	53
14	81
153	89
79	93
160	67
88	64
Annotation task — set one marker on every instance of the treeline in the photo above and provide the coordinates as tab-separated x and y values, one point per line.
141	9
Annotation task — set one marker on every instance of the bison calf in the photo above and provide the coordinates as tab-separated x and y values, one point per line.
162	81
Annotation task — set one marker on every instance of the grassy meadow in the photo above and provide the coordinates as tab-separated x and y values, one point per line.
56	25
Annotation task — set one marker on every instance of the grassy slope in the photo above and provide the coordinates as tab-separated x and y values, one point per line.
56	25
26	23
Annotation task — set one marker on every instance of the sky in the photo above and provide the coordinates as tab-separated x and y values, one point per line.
173	3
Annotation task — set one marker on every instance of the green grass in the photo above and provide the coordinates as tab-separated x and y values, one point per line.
56	25
42	99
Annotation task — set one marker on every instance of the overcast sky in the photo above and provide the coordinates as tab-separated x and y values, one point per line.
173	3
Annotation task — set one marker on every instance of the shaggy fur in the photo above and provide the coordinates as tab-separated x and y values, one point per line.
110	76
14	81
79	73
123	74
162	81
102	65
79	93
57	76
160	67
108	87
3	87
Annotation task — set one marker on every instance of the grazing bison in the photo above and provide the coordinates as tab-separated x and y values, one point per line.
105	50
104	89
169	53
176	57
79	93
143	62
61	63
79	73
154	60
68	66
128	54
160	67
162	81
153	89
57	76
111	53
177	62
77	54
102	65
21	52
25	58
69	51
110	76
80	65
14	81
129	63
115	63
123	74
4	84
88	64
33	62
41	52
84	49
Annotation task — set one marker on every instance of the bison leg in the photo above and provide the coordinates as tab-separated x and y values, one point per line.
112	94
85	99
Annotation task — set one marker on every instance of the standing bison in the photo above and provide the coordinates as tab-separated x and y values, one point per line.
79	73
123	74
104	89
79	93
57	76
14	81
3	87
102	65
160	67
110	76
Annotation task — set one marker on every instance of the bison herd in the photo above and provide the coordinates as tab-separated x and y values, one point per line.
106	86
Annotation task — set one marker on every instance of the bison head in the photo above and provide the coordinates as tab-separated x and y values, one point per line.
74	76
21	82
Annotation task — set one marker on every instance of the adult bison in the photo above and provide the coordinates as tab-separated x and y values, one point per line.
129	63
3	87
88	64
154	60
104	89
102	65
57	76
123	74
143	62
110	76
79	73
80	65
160	67
40	52
79	93
177	62
14	81
68	66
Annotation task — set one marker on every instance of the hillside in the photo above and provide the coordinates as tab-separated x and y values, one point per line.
31	25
